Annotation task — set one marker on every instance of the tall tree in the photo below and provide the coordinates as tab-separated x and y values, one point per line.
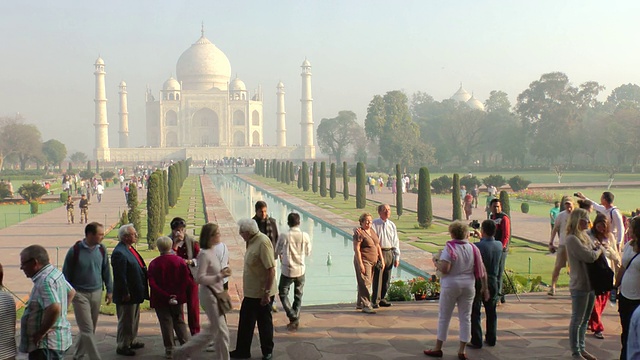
22	141
78	157
54	151
336	135
332	181
361	188
425	208
455	198
345	181
323	179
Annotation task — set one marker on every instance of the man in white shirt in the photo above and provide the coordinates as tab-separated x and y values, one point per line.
292	248
390	244
560	228
615	217
99	191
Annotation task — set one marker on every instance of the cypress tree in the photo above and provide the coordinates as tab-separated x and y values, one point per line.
425	210
165	191
89	165
284	172
267	169
70	169
279	171
287	168
173	186
300	178
361	188
345	181
305	176
504	201
132	203
399	180
274	168
97	167
314	179
323	179
455	198
292	173
332	181
154	210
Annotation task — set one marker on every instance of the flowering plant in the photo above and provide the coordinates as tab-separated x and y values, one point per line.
534	195
418	285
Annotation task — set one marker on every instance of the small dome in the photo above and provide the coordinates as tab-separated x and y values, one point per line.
99	61
280	85
461	95
475	103
237	85
171	84
306	63
203	66
123	84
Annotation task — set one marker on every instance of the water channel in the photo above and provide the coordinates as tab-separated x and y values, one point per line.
325	284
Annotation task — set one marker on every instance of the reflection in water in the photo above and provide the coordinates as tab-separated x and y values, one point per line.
329	277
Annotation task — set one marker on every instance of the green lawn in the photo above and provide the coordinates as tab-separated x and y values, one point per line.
11	214
432	239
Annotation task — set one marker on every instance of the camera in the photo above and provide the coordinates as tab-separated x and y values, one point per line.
475	224
575	194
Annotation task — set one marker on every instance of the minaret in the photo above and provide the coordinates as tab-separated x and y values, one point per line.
101	124
124	116
280	115
306	118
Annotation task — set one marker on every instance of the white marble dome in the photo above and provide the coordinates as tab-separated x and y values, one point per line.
461	95
306	63
203	66
237	85
171	85
123	84
475	103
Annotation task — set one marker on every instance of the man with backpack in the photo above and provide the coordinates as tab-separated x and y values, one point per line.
86	268
607	208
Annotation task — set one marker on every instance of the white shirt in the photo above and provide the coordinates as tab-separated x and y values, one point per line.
461	273
292	248
100	189
561	225
615	217
222	253
629	285
388	234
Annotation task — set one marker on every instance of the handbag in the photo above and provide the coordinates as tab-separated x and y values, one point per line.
224	301
600	275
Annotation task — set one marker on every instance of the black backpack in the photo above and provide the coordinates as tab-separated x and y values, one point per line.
600	275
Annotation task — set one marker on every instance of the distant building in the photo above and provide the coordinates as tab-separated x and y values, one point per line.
463	96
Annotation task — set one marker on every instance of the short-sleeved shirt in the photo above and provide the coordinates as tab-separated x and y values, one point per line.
258	259
561	224
553	213
631	278
7	325
368	245
49	287
461	273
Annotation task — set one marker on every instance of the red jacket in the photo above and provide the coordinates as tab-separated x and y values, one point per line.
503	229
169	275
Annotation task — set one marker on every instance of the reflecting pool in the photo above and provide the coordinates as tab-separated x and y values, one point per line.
324	284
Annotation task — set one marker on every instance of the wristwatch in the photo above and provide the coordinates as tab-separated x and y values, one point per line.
267	292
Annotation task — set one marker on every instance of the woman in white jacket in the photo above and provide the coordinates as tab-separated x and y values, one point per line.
209	275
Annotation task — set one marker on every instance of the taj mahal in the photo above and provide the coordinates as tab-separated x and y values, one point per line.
203	114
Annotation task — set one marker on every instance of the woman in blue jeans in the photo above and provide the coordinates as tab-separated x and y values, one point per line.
581	250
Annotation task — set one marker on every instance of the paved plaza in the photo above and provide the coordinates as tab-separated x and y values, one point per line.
533	328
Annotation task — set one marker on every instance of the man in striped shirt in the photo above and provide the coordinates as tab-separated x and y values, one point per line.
45	332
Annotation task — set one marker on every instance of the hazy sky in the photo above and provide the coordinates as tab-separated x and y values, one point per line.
357	49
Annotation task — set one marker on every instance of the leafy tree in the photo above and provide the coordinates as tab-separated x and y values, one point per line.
345	181
107	175
22	141
495	180
518	183
455	198
54	151
86	174
399	180
4	191
78	157
305	176
425	208
336	135
469	182
314	180
498	101
332	181
442	184
323	179
361	189
32	191
626	95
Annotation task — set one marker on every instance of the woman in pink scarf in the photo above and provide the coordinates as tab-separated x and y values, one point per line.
460	264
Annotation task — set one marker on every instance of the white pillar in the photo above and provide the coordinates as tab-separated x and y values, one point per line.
280	115
101	124
306	116
124	116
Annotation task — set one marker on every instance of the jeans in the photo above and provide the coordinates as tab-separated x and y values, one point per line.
293	312
503	261
490	314
581	307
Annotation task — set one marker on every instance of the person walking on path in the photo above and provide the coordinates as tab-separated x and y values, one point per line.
99	191
130	289
84	209
210	277
559	228
503	234
188	249
169	282
258	287
8	349
491	251
69	205
366	254
45	332
86	268
390	246
615	216
293	246
269	227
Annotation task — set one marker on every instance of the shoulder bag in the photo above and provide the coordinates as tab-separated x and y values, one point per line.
224	301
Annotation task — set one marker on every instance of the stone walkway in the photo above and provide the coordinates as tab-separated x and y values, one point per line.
534	328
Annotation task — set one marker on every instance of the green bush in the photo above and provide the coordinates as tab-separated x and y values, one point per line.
524	207
425	209
332	181
442	184
32	191
399	291
345	181
510	283
495	180
86	174
4	191
33	206
361	187
63	196
399	208
455	198
504	201
107	175
518	183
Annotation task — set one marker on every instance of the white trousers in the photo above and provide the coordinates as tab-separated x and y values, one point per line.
449	297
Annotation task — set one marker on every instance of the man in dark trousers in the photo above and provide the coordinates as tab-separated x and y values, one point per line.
491	251
269	227
390	244
503	235
130	289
